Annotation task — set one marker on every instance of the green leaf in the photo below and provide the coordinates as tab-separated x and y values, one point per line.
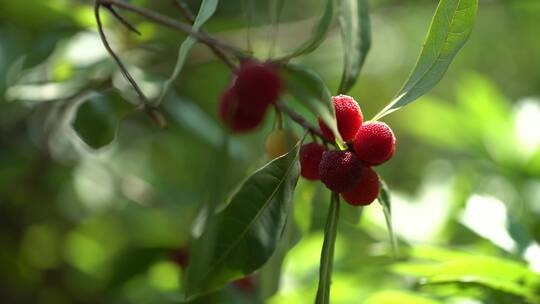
356	39
309	89
249	227
318	207
132	262
384	200
318	35
449	30
190	116
351	214
270	273
327	254
398	297
451	267
98	117
206	11
502	285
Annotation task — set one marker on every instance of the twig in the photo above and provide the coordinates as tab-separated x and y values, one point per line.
302	121
171	23
188	15
184	10
152	111
122	20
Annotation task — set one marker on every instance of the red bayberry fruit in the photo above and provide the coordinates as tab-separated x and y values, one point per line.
348	116
236	116
257	84
375	143
310	159
340	170
366	191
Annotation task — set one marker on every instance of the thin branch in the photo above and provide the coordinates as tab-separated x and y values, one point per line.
122	20
184	10
171	23
152	111
188	15
299	119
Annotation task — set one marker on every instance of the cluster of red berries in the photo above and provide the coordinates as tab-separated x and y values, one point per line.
349	172
244	104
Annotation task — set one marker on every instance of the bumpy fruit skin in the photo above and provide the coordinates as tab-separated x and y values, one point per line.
236	117
348	115
366	191
375	143
258	84
340	170
279	142
310	159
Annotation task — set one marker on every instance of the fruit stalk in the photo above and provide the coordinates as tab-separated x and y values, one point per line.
327	254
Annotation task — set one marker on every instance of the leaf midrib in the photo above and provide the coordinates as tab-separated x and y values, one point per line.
439	54
265	205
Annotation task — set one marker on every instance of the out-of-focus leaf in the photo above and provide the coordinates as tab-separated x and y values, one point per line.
327	254
495	273
190	116
318	208
386	203
98	118
270	273
449	30
14	71
356	39
252	222
309	89
351	214
504	286
398	297
132	262
206	11
319	33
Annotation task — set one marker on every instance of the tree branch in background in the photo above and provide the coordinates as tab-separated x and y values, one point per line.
217	46
188	15
184	10
179	26
122	20
299	119
156	116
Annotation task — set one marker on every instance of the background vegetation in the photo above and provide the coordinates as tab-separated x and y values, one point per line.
97	202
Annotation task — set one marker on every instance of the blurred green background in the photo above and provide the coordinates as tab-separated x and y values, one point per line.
97	202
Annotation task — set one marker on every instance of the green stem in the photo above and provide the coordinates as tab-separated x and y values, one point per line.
278	124
327	254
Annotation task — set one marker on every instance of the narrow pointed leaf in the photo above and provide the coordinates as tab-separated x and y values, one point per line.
450	28
327	254
384	200
356	39
249	228
310	90
319	32
206	11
